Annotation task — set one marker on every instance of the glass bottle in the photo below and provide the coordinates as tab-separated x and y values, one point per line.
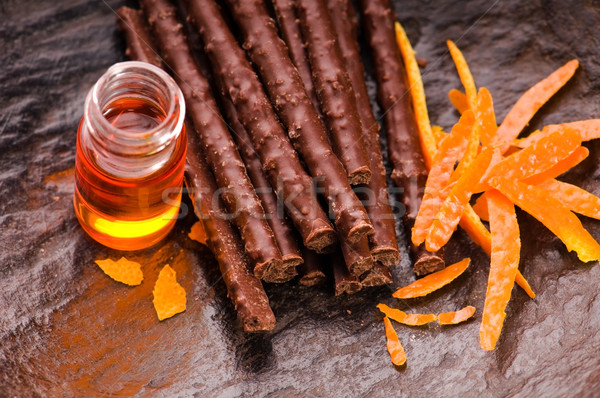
131	147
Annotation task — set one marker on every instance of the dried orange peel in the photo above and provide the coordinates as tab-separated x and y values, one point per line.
404	318
574	198
198	233
394	346
464	73
433	282
169	296
123	270
588	130
455	317
562	166
458	100
506	248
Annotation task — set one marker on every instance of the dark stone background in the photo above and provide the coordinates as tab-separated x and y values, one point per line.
68	330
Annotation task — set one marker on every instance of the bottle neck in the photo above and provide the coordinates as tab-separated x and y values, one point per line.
132	119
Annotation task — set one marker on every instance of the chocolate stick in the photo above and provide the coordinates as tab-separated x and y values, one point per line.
357	256
217	145
279	159
344	282
285	11
138	38
244	289
383	243
306	131
311	271
281	226
379	275
409	171
334	89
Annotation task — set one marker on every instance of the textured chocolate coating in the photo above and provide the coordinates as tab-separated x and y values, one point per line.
218	147
383	243
409	171
243	288
311	271
132	24
279	159
334	89
280	224
289	29
305	130
344	281
357	256
379	275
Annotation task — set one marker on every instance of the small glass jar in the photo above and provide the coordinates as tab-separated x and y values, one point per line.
131	147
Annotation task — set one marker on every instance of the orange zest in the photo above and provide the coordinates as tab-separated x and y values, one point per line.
404	318
448	217
198	233
454	317
458	100
574	198
530	102
123	270
588	130
169	296
433	282
506	248
553	214
417	92
394	346
464	73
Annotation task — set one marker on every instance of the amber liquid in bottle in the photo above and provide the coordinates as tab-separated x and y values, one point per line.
134	211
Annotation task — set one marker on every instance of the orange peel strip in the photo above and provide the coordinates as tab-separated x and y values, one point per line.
123	270
471	150
169	296
551	212
394	346
531	101
198	233
458	100
560	167
433	282
454	317
451	149
574	198
506	248
588	130
449	216
486	116
480	207
537	158
404	318
464	73
417	92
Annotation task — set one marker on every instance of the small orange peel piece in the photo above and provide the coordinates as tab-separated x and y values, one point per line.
464	73
588	130
506	248
123	270
433	282
553	214
404	318
394	346
530	102
169	296
454	317
198	233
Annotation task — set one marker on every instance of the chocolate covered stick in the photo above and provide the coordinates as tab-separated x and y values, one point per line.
404	149
279	159
134	27
383	243
357	256
334	89
377	276
243	288
344	282
289	27
281	225
306	131
311	271
217	145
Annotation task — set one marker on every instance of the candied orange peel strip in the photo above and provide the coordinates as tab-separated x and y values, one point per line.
530	102
454	317
198	233
169	296
394	346
588	130
506	248
574	198
559	167
404	318
458	100
123	270
486	116
553	214
464	73
415	83
433	282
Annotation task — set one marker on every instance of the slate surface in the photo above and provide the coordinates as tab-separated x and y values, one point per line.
68	330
